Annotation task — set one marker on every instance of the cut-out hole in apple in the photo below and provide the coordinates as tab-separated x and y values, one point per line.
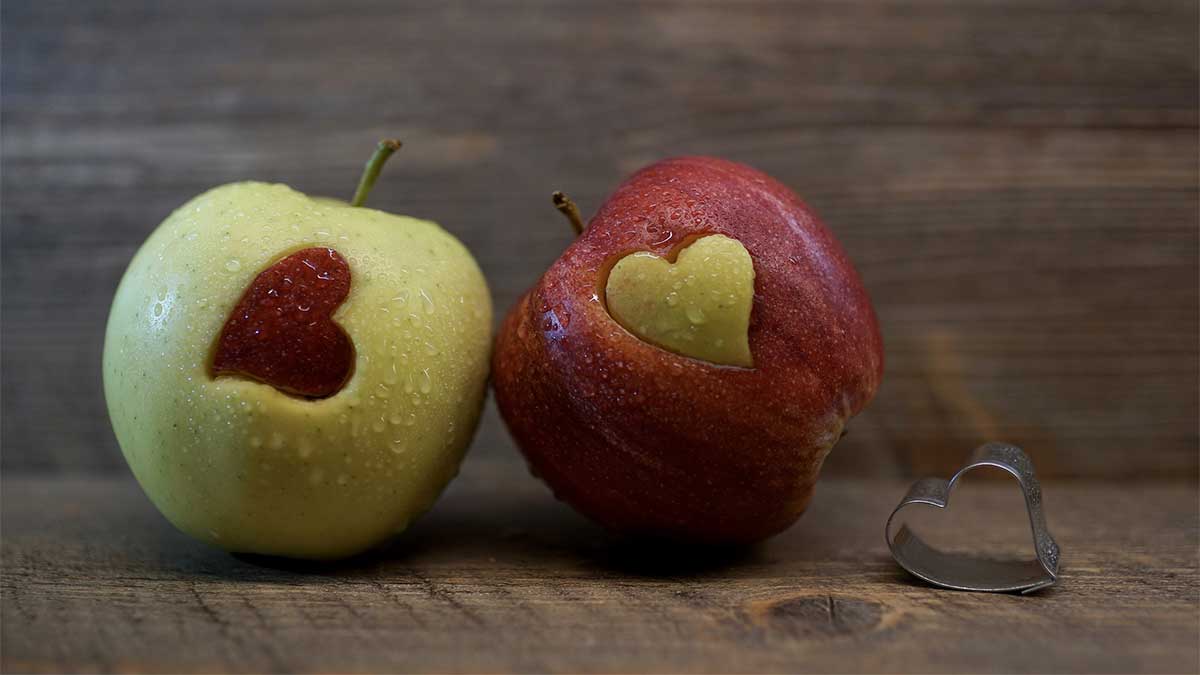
282	333
698	306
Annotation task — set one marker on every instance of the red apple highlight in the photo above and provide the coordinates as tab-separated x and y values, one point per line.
652	442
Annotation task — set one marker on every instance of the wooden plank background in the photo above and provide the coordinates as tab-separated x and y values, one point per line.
1017	181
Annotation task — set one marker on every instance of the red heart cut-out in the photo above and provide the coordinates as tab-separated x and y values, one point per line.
282	332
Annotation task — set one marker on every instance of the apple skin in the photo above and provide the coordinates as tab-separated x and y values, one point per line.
651	443
244	466
282	330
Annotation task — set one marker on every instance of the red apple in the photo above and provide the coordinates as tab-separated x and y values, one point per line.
644	432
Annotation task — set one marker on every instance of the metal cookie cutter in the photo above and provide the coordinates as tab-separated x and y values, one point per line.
970	573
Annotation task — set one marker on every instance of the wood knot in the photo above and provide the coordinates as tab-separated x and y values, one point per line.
819	615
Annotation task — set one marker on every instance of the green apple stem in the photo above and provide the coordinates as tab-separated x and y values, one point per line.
567	207
374	165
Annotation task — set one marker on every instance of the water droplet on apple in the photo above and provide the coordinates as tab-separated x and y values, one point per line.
430	349
426	302
398	446
378	425
426	382
672	299
233	265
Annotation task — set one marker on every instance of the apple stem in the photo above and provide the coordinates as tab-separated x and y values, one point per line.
567	207
371	171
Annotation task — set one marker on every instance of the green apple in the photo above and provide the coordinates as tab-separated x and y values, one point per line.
242	461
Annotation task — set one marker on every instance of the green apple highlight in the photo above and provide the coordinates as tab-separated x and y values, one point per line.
244	466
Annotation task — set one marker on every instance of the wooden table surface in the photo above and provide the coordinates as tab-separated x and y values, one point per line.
1015	180
499	577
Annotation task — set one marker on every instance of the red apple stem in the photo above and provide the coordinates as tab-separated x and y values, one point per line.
371	172
567	207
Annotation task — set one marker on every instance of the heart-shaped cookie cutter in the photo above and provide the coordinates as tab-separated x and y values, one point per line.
971	573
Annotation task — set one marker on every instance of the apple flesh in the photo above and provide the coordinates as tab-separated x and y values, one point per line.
238	460
662	439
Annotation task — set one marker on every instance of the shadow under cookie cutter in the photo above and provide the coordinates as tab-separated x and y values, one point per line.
971	573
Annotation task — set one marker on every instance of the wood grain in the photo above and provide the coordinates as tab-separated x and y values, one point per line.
501	578
1016	181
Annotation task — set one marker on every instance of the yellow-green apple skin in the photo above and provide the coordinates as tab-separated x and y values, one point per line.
698	306
246	467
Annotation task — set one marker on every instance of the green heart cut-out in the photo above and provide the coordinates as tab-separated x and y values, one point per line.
697	306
